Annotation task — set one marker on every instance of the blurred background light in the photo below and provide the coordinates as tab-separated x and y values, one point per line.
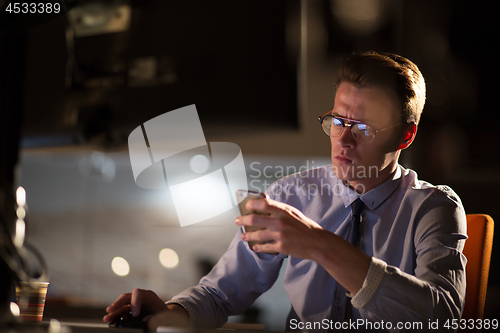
358	16
20	233
99	165
20	196
21	212
169	258
14	309
120	266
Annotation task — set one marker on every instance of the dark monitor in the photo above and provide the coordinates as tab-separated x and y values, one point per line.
231	58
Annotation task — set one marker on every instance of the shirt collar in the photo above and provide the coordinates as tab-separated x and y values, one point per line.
374	198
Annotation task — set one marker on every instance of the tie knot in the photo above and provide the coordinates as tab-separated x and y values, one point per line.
357	207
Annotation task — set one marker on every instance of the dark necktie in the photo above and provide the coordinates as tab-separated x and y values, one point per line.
341	304
357	207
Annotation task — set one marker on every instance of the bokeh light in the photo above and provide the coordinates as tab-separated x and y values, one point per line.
120	266
14	309
169	258
21	196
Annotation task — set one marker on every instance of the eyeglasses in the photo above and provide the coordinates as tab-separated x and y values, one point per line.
334	126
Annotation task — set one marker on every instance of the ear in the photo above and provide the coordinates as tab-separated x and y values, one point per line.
409	136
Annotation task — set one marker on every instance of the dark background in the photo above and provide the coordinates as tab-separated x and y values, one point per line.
234	59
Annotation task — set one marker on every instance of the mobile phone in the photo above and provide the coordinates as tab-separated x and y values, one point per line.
243	196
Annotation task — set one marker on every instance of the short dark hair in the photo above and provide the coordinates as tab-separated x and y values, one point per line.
387	70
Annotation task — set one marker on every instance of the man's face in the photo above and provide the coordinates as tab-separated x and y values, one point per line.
368	165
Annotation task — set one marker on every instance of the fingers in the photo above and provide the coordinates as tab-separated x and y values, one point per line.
138	298
258	236
123	299
114	314
271	248
118	307
261	205
263	241
254	220
274	208
268	216
128	302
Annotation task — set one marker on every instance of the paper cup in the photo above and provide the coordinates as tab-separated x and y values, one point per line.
31	299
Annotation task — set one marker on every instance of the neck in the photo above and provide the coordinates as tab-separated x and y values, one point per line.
367	184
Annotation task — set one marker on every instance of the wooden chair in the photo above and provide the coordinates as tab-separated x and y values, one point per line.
477	249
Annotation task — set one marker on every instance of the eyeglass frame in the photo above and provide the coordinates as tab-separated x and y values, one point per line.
349	124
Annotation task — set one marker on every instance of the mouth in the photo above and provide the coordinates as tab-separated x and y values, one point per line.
343	159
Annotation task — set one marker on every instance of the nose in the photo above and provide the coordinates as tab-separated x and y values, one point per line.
346	139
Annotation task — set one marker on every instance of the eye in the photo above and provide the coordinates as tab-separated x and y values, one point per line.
364	129
338	122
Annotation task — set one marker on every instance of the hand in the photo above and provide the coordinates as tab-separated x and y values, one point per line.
137	301
285	230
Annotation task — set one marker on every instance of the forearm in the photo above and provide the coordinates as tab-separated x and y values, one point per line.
203	310
345	263
175	315
231	287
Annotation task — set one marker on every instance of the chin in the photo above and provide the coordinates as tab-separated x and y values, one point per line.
345	172
356	172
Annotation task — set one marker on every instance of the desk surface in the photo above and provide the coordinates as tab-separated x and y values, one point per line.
93	327
63	327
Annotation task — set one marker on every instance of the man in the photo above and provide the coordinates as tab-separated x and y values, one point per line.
398	255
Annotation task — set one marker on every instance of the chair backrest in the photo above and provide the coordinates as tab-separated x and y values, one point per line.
477	249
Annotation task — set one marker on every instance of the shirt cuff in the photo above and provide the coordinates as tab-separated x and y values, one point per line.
373	278
187	307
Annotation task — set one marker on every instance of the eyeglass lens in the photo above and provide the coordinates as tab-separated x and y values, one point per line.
334	126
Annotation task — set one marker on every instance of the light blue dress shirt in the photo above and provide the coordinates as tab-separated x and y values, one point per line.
414	231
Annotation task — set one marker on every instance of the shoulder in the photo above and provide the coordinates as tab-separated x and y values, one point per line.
434	205
425	191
